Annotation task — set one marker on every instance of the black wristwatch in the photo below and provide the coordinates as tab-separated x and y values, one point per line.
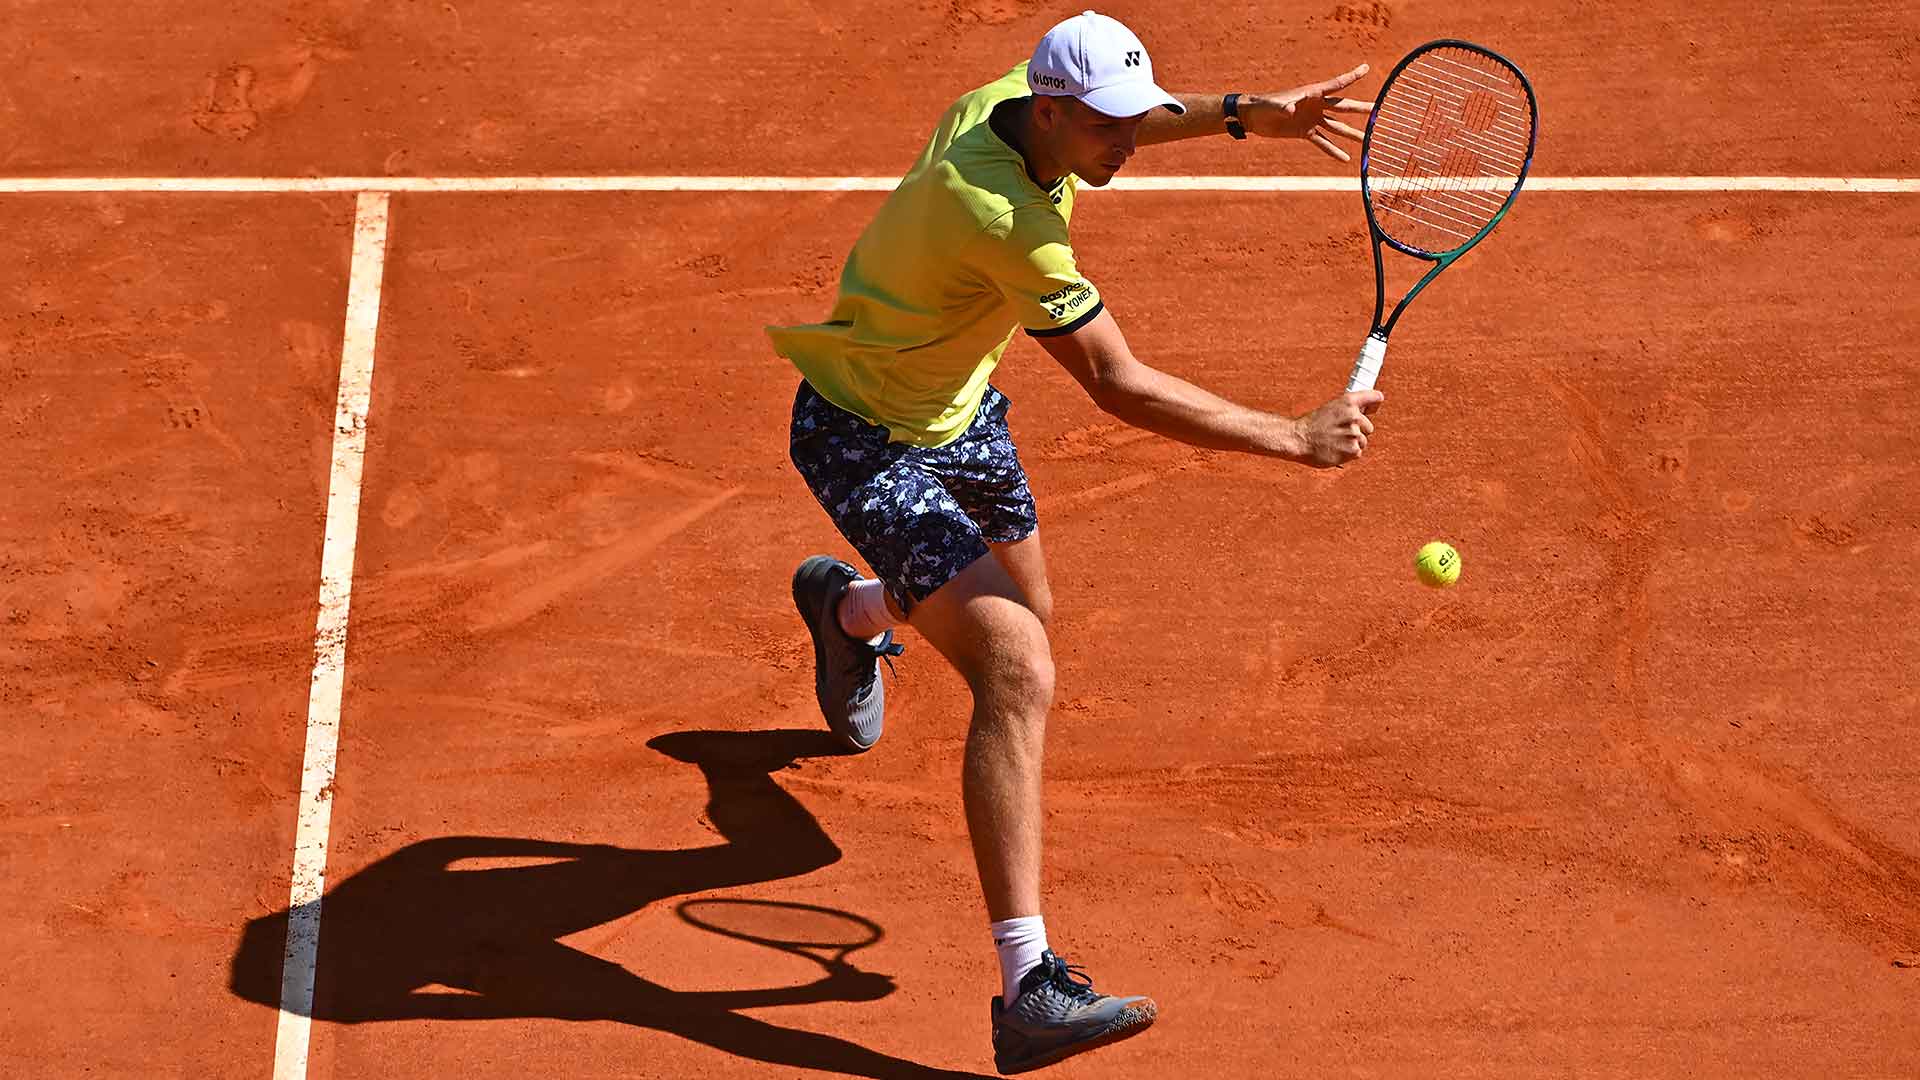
1231	106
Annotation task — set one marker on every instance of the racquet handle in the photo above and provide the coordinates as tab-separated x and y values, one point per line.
1367	368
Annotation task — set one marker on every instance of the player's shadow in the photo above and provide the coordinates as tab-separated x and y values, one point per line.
416	937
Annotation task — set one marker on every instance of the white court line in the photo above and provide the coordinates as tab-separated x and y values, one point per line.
330	638
482	184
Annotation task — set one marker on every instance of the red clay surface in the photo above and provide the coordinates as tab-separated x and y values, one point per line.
1634	800
169	369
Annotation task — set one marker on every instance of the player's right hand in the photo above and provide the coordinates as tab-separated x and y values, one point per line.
1337	432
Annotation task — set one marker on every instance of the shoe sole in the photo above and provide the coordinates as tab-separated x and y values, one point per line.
813	568
1130	1023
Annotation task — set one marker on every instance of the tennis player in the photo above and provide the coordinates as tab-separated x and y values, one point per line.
904	441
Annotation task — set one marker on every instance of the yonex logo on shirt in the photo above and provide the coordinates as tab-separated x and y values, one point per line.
1066	298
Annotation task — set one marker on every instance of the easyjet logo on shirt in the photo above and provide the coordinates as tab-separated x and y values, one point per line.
1065	299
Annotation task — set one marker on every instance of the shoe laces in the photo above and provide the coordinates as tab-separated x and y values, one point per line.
1072	981
884	649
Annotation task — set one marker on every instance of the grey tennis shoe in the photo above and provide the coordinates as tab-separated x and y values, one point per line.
1058	1014
846	670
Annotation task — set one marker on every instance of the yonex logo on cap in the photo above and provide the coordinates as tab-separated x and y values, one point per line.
1133	58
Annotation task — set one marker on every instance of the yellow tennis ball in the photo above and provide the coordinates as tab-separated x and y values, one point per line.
1438	564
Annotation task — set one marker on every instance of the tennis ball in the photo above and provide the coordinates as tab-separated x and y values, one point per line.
1438	564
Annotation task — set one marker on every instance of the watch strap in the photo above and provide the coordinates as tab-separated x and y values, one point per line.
1231	107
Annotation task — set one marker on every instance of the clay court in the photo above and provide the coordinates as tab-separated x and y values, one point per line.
1637	799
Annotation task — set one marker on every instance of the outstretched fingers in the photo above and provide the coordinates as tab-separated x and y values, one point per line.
1345	131
1338	82
1319	139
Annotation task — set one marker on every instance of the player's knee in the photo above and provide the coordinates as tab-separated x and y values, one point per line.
1020	680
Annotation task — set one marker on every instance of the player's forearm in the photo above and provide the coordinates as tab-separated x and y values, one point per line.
1171	406
1205	115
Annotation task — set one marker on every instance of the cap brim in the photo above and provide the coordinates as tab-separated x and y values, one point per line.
1130	99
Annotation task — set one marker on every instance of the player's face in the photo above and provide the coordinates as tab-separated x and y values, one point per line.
1097	145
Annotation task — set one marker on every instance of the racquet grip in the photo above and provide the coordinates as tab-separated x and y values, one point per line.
1367	368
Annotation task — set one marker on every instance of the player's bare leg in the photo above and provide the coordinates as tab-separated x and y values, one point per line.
1026	564
981	623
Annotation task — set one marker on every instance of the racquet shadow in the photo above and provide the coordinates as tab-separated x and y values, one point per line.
414	937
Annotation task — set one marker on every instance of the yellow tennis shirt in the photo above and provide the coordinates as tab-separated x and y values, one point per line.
967	249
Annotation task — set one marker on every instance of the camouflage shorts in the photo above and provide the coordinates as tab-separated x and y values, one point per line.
918	516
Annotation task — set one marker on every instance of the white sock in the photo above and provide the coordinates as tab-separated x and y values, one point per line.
1019	943
863	610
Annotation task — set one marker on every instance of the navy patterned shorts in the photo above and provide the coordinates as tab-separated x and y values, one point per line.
918	516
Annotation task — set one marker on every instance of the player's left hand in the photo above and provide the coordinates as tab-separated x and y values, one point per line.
1303	113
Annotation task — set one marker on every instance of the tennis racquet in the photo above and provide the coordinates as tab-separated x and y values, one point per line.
1446	150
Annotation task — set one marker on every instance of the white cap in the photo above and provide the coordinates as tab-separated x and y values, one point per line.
1097	60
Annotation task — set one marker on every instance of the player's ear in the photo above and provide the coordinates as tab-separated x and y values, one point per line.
1049	113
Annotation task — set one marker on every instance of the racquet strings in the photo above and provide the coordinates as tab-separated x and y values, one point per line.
1450	141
